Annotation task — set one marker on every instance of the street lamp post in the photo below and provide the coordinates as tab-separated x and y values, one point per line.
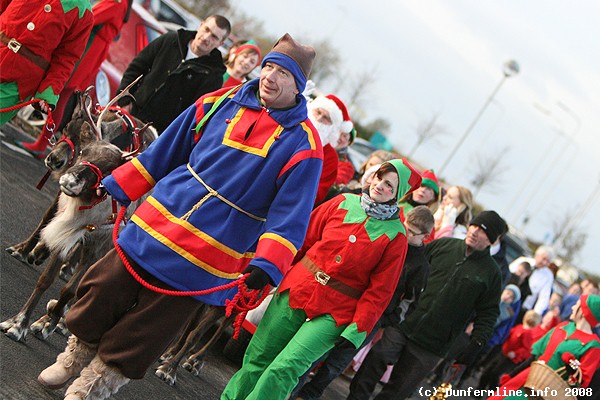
510	68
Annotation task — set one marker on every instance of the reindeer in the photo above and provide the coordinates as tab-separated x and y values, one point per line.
109	125
80	230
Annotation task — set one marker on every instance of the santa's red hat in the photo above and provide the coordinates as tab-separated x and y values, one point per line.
337	111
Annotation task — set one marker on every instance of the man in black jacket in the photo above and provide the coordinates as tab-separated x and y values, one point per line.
177	69
464	279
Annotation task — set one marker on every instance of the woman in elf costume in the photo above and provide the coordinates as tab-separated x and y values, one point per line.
337	288
570	344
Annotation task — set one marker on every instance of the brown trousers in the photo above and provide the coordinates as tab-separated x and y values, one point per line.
131	325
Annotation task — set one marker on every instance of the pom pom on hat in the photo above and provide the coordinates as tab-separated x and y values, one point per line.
338	113
590	306
492	224
431	181
346	125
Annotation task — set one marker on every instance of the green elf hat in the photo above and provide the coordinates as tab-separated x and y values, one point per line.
431	181
408	177
590	306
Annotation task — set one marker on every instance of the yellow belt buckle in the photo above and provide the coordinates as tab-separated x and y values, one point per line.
14	45
322	278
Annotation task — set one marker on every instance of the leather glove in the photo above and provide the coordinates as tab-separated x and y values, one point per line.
470	353
343	344
257	279
42	106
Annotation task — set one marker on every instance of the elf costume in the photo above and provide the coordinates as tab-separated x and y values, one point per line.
338	287
46	39
109	17
565	342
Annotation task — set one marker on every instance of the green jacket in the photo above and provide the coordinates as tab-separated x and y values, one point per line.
458	288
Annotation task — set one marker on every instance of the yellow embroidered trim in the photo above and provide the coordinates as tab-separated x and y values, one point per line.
279	239
142	170
182	252
249	149
197	232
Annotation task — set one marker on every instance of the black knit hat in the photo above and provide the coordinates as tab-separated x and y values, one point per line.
492	224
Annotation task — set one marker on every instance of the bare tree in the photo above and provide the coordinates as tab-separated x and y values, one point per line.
569	238
427	130
203	9
358	88
488	170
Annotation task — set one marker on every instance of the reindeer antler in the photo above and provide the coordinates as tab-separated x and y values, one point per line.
124	93
88	114
135	152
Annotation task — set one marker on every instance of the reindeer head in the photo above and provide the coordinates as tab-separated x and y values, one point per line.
75	135
97	160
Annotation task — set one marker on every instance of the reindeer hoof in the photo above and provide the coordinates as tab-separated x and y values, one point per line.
43	327
165	373
15	251
6	325
194	366
66	271
17	333
164	358
61	328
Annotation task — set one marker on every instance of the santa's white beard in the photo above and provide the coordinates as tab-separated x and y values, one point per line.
327	133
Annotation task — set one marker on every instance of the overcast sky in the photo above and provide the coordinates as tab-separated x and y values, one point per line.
446	57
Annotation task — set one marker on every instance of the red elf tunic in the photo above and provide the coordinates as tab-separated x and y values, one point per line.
55	30
364	253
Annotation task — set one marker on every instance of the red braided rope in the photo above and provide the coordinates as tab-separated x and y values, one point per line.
242	302
49	120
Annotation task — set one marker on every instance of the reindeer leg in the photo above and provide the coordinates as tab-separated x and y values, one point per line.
21	250
56	309
179	342
195	362
16	327
167	371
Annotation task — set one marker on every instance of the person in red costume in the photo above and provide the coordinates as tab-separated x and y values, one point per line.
327	115
242	61
40	42
109	17
571	344
345	171
336	290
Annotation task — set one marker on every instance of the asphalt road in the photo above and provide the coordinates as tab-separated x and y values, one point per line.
22	205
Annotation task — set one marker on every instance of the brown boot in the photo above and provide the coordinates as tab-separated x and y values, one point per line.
68	363
97	381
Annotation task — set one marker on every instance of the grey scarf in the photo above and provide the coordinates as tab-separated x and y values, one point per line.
381	211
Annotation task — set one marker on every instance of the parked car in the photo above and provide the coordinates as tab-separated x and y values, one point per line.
141	29
516	246
359	151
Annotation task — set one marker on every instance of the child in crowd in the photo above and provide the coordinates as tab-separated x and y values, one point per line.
510	295
549	321
515	350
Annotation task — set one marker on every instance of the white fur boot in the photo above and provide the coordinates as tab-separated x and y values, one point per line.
97	381
68	363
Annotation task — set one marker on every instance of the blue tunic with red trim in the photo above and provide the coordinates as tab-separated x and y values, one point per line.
267	162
